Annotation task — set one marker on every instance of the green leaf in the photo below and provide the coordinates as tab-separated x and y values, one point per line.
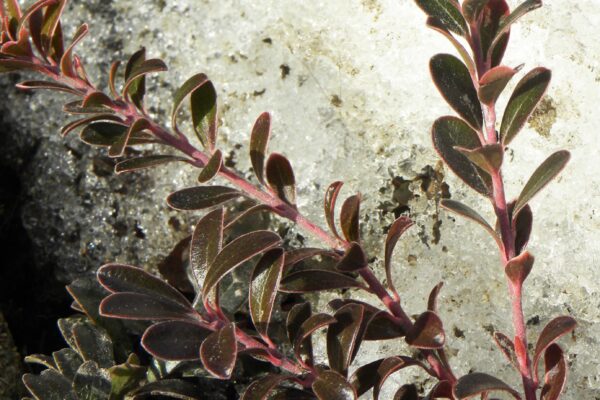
331	196
49	385
51	24
345	336
93	344
65	130
555	377
437	26
91	382
522	103
97	99
199	197
315	280
489	157
472	9
41	359
493	82
169	388
350	218
330	385
264	285
467	212
212	167
454	82
547	171
203	101
447	12
518	268
135	83
521	10
477	383
135	164
117	149
399	226
427	332
523	223
353	260
259	141
189	86
235	253
9	65
66	62
451	132
67	361
175	340
553	331
126	377
219	352
280	177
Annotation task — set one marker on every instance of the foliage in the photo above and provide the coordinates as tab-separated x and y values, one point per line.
183	318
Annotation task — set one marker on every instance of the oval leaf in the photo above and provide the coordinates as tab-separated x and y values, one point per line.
349	218
189	86
259	141
438	26
295	318
427	332
521	10
477	383
199	197
399	226
302	339
49	384
467	212
454	81
207	241
507	348
135	164
555	329
555	377
344	337
204	114
315	280
264	285
175	340
388	367
261	388
523	102
137	306
447	12
493	82
353	260
518	268
219	352
330	385
523	224
281	178
212	167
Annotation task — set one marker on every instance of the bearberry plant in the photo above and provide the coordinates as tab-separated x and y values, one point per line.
186	330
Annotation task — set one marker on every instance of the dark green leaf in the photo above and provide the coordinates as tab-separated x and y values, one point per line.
344	337
219	352
173	267
41	359
261	388
97	99
66	62
295	318
65	130
477	383
49	385
175	340
399	226
212	167
126	377
135	85
304	333
93	344
467	212
521	10
555	377
349	218
489	157
522	103
118	147
126	278
91	382
518	268
203	101
295	256
451	132
235	253
330	385
264	285
493	82
427	332
547	171
135	60
507	348
314	280
437	26
447	12
280	177
9	65
112	78
59	87
491	16
472	9
259	140
433	295
51	25
199	197
135	164
67	361
191	85
331	196
453	80
136	306
353	260
554	330
102	133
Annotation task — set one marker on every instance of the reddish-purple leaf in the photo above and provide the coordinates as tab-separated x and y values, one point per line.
66	62
442	389
138	89
454	82
137	306
477	383
489	157
492	14
308	327
212	167
388	367
467	212
547	171
447	12
517	269
438	26
126	278
295	256
353	260
349	218
9	65
432	301
65	130
330	385
134	85
199	197
261	388
522	223
112	78
108	133
399	226
203	100
295	318
118	147
493	82
31	85
315	280
51	25
522	103
555	329
344	337
331	196
175	340
280	177
381	327
451	132
555	377
190	86
235	253
173	267
219	352
472	9
264	285
522	9
259	141
407	392
365	377
97	99
427	332
507	348
145	162
233	219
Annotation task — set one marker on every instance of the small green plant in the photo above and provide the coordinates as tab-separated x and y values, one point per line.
188	333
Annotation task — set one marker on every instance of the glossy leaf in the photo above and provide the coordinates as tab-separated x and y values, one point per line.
388	367
138	163
554	330
51	24
315	280
112	78
295	318
126	278
66	62
489	157
295	256
204	114
330	385
518	12
219	352
522	103
467	212
259	141
41	359
92	382
454	82
555	377
93	344
199	197
190	86
71	126
447	12
302	340
507	347
472	9
280	177
49	385
67	362
477	383
212	167
344	337
261	388
235	253
493	83
169	388
353	260
451	132
427	332
433	295
289	393
135	85
331	196
381	327
349	218
492	15
547	171
233	219
365	377
138	89
399	226
207	242
118	147
97	99
437	26
137	306
10	65
264	285
31	85
407	392
523	224
175	340
518	268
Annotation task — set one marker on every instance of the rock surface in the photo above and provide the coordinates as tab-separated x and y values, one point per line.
348	85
